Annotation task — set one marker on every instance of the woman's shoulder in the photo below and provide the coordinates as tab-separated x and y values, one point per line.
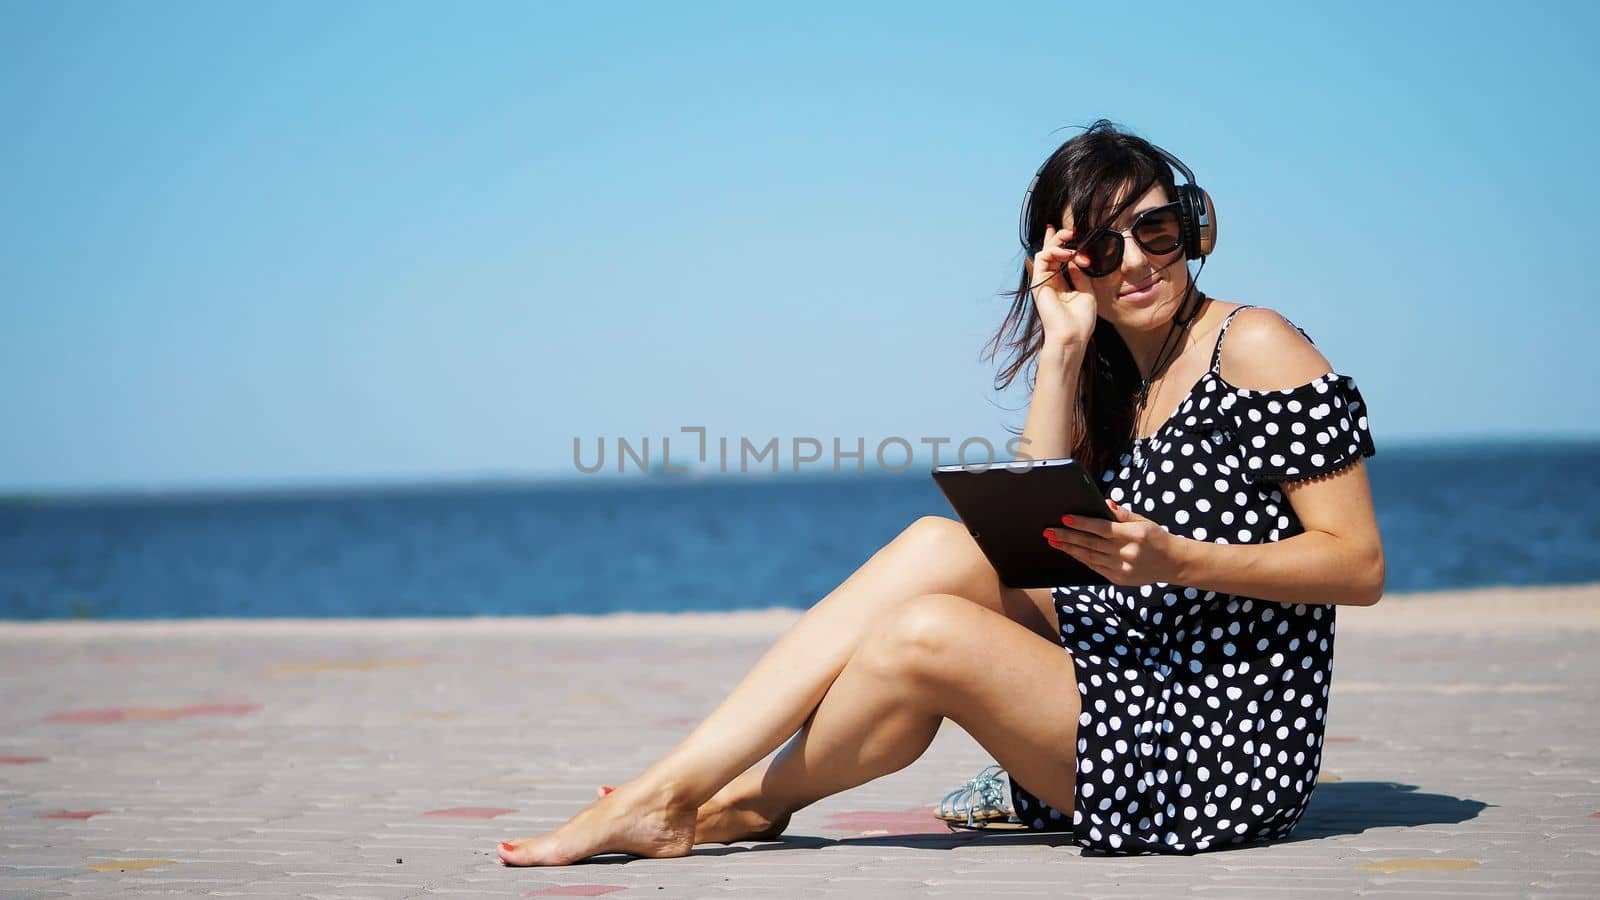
1260	350
1293	416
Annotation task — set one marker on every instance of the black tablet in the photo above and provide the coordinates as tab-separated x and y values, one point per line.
1006	506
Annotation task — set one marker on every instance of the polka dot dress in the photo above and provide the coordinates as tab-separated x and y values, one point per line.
1203	713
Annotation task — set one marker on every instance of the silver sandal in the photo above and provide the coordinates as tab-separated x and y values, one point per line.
978	803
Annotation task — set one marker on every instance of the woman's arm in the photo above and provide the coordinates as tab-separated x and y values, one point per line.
1067	318
1339	557
1051	427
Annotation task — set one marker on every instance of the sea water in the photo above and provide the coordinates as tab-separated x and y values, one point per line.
1452	517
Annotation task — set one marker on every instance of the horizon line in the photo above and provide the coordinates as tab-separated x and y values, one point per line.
489	481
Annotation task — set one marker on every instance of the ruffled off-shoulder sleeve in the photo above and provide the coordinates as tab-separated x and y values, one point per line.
1300	432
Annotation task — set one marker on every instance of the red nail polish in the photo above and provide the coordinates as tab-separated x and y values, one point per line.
607	788
1066	520
1048	536
509	848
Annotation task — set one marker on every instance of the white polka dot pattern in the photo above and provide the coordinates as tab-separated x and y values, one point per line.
1300	432
1203	713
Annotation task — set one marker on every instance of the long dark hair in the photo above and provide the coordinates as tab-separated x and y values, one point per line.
1085	174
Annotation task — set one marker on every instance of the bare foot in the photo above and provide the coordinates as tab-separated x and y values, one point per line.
630	819
716	823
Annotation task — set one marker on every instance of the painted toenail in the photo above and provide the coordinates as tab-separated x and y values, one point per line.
509	848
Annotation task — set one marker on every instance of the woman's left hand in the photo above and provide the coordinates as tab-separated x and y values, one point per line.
1129	549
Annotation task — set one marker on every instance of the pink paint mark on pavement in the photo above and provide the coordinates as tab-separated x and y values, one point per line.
144	713
1339	740
885	822
575	890
74	814
21	760
469	812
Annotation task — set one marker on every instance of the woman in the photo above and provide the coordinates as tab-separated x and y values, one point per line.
1233	470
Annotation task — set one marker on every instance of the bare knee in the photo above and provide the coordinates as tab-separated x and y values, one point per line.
938	534
943	549
920	638
944	554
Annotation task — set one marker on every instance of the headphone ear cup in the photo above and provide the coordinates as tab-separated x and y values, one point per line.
1199	221
1188	222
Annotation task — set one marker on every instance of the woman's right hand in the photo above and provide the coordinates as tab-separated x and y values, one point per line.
1067	314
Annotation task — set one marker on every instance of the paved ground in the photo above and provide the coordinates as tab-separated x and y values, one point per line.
359	759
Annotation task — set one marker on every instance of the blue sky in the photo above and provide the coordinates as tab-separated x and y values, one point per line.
281	244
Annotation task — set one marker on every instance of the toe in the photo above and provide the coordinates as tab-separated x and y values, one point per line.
511	853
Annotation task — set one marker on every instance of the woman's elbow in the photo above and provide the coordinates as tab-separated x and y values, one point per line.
1369	589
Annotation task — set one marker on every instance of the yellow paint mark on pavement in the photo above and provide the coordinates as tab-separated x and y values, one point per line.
1327	779
132	865
1423	864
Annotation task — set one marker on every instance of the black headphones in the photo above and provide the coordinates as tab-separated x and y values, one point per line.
1198	219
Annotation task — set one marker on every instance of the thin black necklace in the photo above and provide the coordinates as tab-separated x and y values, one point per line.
1175	333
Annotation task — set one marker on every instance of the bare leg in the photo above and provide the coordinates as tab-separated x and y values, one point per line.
933	555
885	708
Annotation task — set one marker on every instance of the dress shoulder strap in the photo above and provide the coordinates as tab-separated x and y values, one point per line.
1216	355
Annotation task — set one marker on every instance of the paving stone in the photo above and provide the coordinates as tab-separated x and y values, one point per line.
267	759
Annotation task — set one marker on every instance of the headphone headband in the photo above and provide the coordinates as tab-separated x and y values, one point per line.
1176	163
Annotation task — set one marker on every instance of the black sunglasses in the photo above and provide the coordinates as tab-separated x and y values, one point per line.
1158	232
